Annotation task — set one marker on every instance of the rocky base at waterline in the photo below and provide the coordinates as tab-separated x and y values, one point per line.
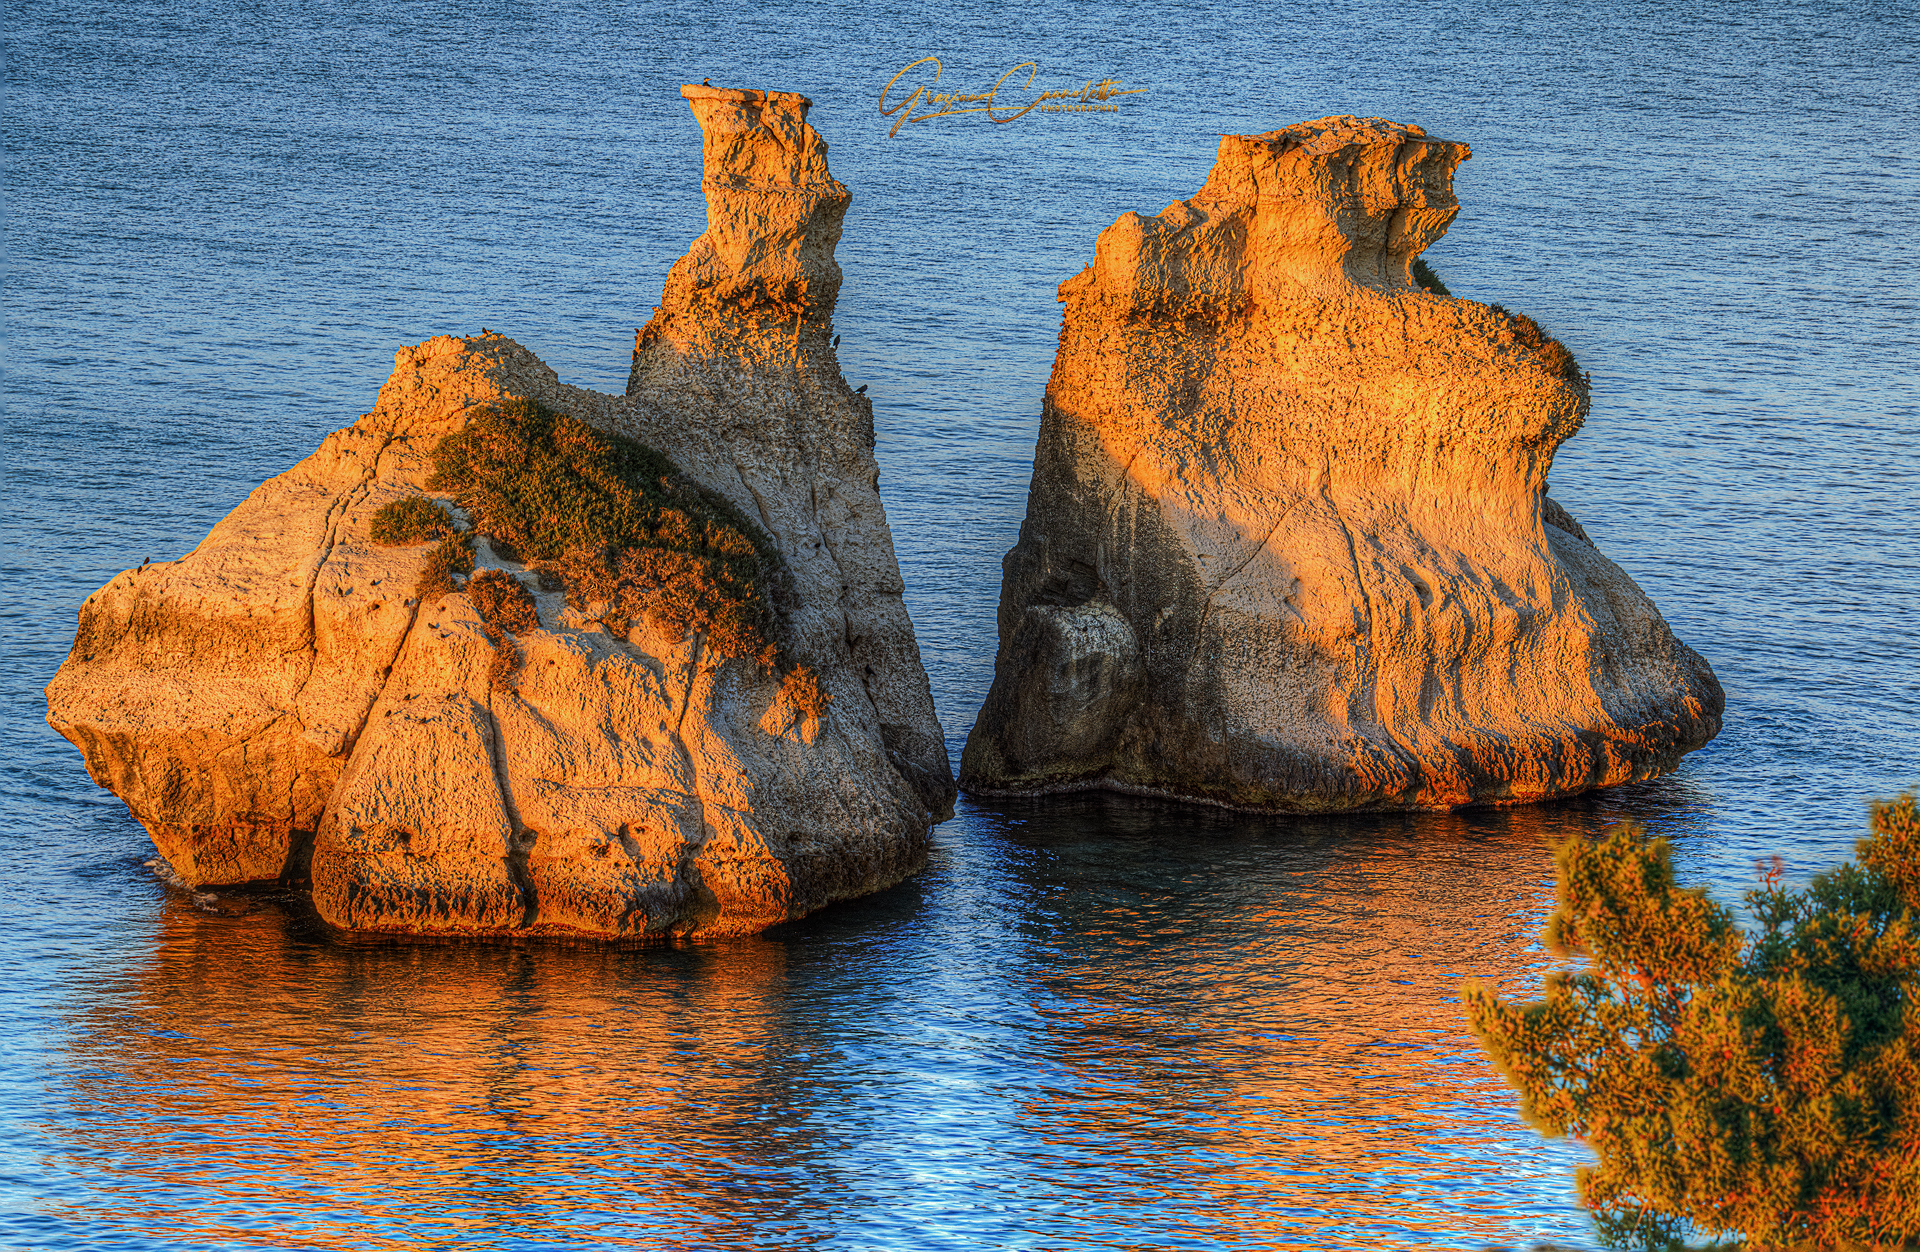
1289	545
514	753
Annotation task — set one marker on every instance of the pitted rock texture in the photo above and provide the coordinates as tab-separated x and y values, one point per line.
277	704
1288	545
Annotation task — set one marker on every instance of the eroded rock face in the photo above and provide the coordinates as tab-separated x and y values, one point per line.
279	696
1288	545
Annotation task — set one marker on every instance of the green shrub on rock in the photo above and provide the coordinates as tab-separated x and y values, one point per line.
414	519
1764	1086
1426	279
618	526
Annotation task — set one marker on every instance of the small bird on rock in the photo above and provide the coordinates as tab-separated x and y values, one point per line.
861	390
706	82
836	341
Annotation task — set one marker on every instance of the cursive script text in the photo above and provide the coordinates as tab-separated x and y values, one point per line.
1002	102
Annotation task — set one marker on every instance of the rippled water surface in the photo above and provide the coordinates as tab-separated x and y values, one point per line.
1094	1021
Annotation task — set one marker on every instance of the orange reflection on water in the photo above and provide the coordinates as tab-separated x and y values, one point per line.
1355	1102
1079	1030
440	1082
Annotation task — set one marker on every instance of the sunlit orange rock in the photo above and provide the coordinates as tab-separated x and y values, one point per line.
278	702
1288	545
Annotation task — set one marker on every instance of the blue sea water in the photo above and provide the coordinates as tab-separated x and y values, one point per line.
1094	1021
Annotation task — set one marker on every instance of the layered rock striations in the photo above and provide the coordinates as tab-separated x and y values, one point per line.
291	699
1288	545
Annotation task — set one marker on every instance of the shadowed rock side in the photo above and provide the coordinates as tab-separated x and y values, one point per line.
1288	545
280	697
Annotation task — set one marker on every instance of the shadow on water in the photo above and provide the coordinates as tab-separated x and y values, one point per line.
1095	1018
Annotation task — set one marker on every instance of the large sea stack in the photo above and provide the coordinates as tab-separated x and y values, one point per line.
1289	545
529	757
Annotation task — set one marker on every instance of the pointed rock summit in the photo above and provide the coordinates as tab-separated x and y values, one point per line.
758	288
707	718
1288	545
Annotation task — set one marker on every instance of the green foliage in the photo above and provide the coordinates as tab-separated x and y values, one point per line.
544	484
1766	1086
677	591
1424	276
1528	334
414	519
1894	849
616	524
540	482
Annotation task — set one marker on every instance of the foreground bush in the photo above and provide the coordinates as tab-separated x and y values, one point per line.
1758	1085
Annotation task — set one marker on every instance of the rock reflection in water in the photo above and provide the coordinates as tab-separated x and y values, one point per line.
1097	1020
1295	1054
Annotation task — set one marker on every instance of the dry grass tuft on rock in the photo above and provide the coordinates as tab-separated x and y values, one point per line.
801	688
508	610
505	663
415	519
1553	354
503	603
452	555
618	524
